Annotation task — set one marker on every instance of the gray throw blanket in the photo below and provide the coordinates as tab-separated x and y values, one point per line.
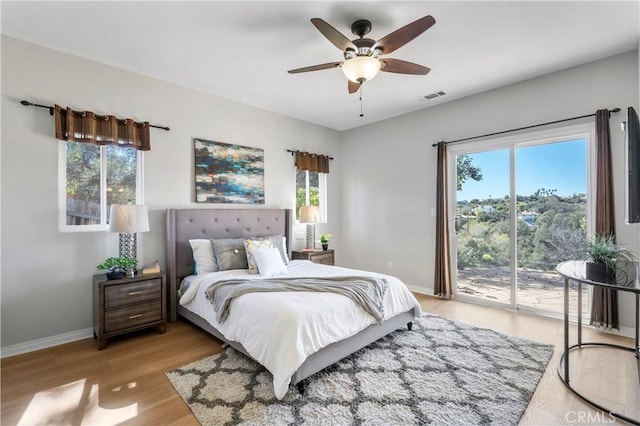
368	292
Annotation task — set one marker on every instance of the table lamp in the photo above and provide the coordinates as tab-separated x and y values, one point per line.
310	215
128	219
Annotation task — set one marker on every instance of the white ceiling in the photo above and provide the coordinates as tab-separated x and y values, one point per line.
241	50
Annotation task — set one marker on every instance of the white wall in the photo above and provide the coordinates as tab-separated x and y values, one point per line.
46	274
380	205
389	185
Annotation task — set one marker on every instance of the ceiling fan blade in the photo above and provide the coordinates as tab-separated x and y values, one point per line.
404	35
316	67
333	35
403	67
353	87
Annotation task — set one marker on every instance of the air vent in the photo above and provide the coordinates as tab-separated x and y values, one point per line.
435	95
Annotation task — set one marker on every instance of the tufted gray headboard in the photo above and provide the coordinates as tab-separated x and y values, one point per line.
186	224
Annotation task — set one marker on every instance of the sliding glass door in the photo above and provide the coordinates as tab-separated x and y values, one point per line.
482	226
521	206
551	193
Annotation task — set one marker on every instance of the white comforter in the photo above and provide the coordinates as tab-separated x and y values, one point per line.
280	330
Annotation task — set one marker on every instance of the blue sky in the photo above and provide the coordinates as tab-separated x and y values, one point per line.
561	166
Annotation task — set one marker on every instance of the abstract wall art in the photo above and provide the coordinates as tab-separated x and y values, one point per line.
227	173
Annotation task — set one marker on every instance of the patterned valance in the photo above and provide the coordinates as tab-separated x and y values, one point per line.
312	162
88	127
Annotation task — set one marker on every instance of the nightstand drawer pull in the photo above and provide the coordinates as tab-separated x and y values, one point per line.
135	316
133	293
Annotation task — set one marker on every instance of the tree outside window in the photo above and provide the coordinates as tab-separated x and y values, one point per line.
307	190
88	196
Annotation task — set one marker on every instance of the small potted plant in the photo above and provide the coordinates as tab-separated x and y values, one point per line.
324	240
604	255
119	267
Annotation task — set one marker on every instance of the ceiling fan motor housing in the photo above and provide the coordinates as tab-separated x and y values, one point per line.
365	48
360	28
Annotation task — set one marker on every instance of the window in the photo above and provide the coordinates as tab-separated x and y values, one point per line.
311	189
93	177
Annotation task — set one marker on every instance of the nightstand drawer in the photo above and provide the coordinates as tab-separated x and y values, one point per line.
118	319
324	258
126	294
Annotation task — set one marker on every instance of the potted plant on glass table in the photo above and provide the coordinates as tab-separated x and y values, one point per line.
603	257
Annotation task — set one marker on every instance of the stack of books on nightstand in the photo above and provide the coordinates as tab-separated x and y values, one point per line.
151	268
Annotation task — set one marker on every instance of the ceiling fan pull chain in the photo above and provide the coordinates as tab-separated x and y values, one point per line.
361	113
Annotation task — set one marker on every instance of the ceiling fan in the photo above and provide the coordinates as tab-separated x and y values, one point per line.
363	55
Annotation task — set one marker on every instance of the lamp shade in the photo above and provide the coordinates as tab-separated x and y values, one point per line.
127	218
309	214
361	68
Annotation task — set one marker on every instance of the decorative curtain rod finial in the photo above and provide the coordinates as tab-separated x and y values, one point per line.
27	103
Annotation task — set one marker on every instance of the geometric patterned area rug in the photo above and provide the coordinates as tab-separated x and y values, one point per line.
442	372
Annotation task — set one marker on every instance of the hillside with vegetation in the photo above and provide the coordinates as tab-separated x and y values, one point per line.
550	228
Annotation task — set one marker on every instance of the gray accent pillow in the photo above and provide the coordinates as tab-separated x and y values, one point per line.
230	253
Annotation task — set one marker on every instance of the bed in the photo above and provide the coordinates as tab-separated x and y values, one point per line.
185	224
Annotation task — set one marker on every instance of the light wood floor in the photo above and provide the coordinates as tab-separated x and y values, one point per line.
125	383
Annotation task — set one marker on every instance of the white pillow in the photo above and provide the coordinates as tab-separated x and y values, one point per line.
203	256
269	261
250	246
279	242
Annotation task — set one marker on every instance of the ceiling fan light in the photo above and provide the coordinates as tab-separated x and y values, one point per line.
361	68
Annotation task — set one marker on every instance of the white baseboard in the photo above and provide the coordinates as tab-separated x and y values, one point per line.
420	289
72	336
45	342
624	331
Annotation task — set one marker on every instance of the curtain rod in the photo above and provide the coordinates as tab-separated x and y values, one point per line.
293	151
50	108
521	128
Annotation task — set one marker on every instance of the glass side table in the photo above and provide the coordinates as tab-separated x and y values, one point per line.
627	280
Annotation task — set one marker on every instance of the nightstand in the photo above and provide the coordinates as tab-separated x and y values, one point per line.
128	304
326	257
